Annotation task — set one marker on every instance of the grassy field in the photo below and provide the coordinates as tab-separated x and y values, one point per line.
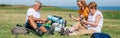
10	16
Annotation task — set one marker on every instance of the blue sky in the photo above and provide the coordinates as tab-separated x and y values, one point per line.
60	2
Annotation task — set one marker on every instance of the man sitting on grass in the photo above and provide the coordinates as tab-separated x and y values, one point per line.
33	20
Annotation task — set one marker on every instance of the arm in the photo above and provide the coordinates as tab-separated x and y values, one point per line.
35	19
77	19
94	23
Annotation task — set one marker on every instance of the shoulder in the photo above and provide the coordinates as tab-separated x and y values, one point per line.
98	12
29	9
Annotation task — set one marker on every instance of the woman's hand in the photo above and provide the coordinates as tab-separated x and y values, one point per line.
71	16
81	16
84	21
77	19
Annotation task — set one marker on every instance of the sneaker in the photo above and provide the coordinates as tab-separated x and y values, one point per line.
40	33
37	29
66	32
62	31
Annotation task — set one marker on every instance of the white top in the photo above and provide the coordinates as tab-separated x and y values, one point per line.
91	18
31	11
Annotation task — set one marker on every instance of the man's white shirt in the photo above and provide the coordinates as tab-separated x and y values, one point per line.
32	12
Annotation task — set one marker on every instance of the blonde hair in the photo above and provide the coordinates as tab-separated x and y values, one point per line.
82	2
92	5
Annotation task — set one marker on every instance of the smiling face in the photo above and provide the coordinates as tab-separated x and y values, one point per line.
79	4
92	10
37	6
92	7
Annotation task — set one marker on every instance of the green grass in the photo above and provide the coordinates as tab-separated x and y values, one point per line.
112	14
10	16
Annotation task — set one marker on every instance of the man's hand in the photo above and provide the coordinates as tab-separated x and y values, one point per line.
45	20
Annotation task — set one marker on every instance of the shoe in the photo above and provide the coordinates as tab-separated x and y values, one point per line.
62	31
66	32
39	32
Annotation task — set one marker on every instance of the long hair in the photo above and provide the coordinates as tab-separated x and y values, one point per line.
84	4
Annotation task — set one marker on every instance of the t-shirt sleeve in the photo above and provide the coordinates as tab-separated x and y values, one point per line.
29	12
99	13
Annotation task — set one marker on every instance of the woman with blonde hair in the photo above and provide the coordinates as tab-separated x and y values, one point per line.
83	10
83	15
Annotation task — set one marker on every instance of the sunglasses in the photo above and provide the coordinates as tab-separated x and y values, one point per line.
40	6
90	7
